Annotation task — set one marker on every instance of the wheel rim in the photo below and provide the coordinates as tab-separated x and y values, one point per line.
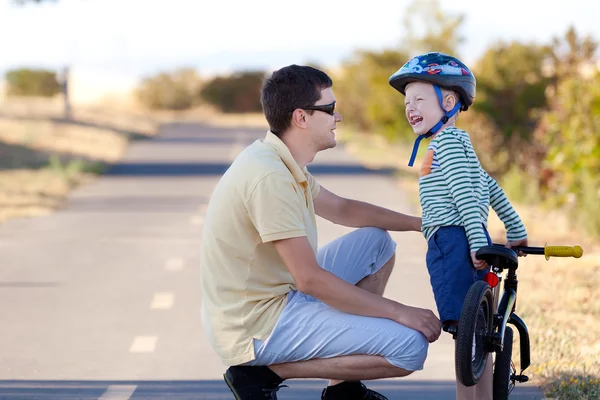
511	383
478	356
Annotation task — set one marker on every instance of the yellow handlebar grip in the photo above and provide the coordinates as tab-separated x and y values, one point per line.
563	251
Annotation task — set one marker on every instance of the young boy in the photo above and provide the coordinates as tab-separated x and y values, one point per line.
455	192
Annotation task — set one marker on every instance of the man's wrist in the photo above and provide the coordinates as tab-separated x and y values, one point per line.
399	313
417	224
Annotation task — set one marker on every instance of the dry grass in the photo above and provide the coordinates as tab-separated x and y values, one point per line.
559	299
208	114
43	156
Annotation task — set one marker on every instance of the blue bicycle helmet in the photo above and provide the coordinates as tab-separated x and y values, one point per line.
443	71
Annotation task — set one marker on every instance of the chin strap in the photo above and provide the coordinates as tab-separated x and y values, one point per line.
436	127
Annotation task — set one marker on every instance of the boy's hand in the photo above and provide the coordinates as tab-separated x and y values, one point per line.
478	264
511	244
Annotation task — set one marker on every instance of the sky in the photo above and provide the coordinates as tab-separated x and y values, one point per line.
130	39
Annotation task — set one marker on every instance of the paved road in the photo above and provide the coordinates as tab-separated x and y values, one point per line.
101	299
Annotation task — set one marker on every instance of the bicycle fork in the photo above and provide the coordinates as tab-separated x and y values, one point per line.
507	315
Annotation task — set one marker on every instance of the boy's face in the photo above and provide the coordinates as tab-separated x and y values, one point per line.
423	109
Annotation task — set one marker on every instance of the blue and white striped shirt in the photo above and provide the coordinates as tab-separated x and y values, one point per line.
455	190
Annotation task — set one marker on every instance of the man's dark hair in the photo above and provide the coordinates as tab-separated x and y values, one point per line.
289	88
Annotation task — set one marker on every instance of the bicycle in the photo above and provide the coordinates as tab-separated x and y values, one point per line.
482	327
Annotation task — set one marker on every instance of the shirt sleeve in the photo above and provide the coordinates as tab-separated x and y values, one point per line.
275	209
456	171
515	230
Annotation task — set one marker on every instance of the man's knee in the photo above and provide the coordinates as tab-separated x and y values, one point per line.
411	355
377	235
418	350
378	238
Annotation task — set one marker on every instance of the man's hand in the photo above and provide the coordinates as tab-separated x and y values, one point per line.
511	244
421	320
478	264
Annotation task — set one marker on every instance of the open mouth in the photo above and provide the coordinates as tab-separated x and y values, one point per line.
415	120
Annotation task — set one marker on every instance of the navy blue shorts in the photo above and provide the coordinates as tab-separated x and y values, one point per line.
451	271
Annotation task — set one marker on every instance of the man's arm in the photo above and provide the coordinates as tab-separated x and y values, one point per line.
357	214
315	281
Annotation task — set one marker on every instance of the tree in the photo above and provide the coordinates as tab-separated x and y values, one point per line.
569	130
572	54
367	101
570	133
176	90
511	94
32	82
440	30
239	92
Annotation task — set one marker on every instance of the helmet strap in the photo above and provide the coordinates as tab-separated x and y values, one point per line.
437	126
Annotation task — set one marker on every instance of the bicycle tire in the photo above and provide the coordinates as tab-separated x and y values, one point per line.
477	307
503	368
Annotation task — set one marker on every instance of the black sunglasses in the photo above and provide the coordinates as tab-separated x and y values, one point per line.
327	108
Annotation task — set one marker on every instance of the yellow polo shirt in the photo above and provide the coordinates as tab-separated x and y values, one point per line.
263	196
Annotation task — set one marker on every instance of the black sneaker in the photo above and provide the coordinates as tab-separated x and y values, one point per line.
253	383
350	390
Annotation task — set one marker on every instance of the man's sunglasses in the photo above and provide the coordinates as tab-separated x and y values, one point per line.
327	108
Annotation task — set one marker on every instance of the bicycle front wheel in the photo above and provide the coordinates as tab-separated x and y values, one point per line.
503	368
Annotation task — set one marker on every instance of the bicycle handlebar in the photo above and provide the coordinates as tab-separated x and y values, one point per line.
551	251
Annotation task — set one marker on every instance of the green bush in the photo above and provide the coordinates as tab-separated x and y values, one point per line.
570	133
176	90
32	82
238	93
366	100
511	96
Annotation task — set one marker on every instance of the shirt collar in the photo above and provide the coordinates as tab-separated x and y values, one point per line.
284	153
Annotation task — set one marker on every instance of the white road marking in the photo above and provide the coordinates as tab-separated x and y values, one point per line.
174	264
118	392
162	301
197	219
143	344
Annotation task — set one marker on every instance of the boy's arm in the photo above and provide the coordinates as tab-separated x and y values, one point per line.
455	169
515	230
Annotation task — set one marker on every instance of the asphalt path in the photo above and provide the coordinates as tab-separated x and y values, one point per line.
101	299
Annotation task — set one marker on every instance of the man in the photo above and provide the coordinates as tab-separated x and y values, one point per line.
275	306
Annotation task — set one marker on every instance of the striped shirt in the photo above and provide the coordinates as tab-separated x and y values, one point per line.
435	163
456	190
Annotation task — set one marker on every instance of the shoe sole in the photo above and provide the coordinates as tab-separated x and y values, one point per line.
230	386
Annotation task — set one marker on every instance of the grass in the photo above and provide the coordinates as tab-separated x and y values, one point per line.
208	114
559	299
44	156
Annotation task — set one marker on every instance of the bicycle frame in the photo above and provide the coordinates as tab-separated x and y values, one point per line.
505	314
